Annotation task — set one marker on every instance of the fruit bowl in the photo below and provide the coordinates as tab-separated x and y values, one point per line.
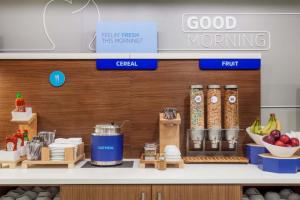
255	137
278	151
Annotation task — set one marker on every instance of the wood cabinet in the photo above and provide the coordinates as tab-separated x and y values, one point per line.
106	192
151	192
196	192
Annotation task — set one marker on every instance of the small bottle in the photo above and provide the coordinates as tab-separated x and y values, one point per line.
161	164
25	136
20	103
20	139
11	143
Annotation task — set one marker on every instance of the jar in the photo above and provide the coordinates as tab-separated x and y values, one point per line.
214	113
197	107
150	150
231	107
162	164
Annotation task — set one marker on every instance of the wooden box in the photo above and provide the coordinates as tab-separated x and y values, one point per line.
70	158
169	132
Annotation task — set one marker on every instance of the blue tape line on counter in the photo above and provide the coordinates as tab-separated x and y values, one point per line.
230	64
126	64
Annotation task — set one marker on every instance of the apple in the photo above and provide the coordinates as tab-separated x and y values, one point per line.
269	139
276	134
294	142
285	139
279	143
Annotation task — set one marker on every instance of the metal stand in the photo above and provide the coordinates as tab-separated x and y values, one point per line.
226	139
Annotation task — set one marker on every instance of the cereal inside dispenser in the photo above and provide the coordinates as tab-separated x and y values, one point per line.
231	114
214	114
197	115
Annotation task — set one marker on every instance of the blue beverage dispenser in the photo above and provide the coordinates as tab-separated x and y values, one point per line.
107	145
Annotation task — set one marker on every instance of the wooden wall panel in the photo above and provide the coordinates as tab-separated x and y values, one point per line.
90	97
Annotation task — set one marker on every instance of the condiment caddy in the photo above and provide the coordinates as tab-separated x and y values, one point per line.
71	157
10	159
14	151
157	163
171	157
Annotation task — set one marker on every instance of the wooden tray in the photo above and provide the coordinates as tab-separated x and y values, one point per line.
153	163
70	158
215	159
11	164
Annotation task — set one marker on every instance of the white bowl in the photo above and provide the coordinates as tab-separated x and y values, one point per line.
258	139
172	150
282	152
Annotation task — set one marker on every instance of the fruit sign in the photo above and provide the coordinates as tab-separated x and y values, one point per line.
229	64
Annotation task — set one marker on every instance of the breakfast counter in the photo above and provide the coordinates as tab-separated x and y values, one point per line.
191	174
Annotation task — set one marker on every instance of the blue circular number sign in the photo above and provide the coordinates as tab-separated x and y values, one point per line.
57	78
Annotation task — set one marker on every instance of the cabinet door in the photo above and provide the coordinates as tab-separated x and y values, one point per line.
196	192
106	192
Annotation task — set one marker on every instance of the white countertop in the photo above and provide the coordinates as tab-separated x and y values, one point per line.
191	174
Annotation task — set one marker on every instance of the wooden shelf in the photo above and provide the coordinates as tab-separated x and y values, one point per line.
215	159
92	56
29	125
41	163
32	119
12	164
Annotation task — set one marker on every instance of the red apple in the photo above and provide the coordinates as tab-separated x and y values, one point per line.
269	139
294	142
285	139
276	134
288	145
279	143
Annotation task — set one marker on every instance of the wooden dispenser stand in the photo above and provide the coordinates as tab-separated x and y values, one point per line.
30	125
169	132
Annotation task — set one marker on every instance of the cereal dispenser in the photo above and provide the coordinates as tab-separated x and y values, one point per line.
214	115
231	114
197	115
213	130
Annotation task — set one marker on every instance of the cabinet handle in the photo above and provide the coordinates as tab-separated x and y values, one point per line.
159	196
143	196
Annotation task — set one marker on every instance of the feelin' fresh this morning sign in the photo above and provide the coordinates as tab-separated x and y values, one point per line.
126	37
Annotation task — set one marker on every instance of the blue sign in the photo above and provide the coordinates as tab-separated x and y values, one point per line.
107	148
126	64
57	78
126	37
229	64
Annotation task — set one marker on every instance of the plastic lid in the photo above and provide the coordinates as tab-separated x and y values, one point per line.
107	126
231	87
213	86
196	86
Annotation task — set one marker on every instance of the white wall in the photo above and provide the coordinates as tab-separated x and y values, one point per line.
22	27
